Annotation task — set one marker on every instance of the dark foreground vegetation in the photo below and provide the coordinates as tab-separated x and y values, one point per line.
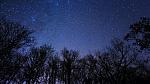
126	61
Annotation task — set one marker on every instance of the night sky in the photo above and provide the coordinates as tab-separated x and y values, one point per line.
76	24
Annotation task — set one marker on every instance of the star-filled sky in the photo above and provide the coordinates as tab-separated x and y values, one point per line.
76	24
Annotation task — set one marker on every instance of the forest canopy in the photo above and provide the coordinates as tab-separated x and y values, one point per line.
119	64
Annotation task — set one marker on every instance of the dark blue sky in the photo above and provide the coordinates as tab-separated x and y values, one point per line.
76	24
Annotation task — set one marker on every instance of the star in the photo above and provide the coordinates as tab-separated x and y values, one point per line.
33	18
76	21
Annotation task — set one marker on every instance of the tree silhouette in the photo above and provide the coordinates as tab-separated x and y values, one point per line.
88	69
121	63
12	37
52	69
36	64
140	33
139	36
68	65
114	65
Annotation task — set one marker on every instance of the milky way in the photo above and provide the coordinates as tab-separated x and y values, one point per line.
77	24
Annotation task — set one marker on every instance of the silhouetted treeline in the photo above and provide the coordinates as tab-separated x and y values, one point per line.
124	62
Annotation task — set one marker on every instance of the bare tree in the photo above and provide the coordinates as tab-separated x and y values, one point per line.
139	36
115	64
35	65
52	69
69	60
13	36
140	33
88	69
